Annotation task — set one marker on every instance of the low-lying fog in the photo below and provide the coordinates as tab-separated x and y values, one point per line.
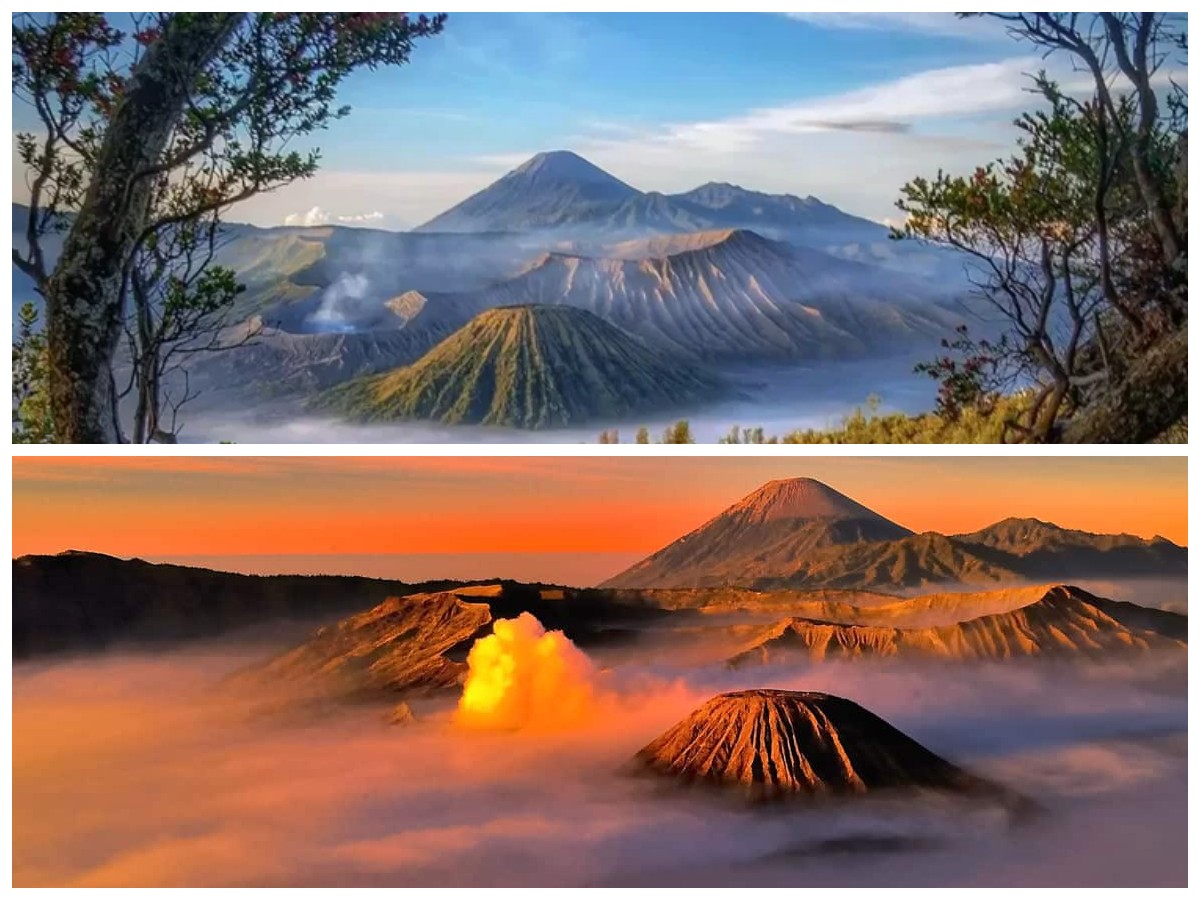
133	769
779	399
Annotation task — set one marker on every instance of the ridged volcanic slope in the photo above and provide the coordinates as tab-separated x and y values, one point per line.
1064	621
735	293
528	367
772	744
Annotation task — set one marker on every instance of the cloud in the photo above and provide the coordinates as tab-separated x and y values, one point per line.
315	216
404	198
879	126
308	219
132	770
947	24
888	107
852	148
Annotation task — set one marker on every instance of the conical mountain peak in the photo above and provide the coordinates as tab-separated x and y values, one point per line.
798	498
766	534
564	165
772	744
548	190
518	366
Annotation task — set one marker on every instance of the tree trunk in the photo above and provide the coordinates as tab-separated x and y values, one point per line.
84	293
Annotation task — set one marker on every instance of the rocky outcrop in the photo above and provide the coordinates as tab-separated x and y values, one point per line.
769	744
401	714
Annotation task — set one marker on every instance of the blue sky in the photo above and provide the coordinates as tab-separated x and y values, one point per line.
842	106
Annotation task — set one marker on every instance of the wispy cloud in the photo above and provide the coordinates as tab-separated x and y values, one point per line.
887	107
947	24
360	219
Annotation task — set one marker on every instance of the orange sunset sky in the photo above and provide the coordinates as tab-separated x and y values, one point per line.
234	508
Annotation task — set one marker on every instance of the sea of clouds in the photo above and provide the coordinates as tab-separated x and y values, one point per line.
139	769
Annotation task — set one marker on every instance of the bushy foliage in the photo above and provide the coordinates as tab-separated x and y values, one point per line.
972	425
32	422
679	433
1078	240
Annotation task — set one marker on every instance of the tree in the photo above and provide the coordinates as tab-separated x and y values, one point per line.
679	433
610	436
643	435
1067	239
739	435
32	423
144	132
1122	50
175	315
1027	226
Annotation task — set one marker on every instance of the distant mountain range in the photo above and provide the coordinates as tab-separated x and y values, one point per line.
527	367
720	273
799	533
88	601
561	191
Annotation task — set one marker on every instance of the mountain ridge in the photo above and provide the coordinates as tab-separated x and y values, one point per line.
560	189
732	550
731	294
1063	621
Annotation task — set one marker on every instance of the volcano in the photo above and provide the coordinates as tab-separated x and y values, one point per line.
764	534
548	190
773	744
528	367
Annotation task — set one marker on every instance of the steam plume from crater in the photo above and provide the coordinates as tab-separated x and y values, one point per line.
522	676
